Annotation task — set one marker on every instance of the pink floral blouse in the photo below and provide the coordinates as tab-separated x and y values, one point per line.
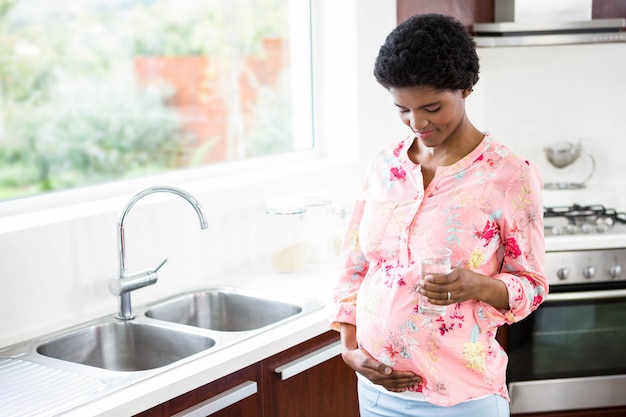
487	208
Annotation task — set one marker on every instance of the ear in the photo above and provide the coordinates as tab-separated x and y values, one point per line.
467	92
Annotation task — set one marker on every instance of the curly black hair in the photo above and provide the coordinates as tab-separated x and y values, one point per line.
431	50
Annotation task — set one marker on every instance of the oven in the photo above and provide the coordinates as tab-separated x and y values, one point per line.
570	354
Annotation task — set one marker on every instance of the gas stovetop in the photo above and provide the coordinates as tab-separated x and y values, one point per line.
585	245
583	220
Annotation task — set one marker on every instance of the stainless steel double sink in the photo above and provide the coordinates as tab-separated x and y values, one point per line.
148	342
163	334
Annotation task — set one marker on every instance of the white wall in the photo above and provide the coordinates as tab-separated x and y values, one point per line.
532	97
55	263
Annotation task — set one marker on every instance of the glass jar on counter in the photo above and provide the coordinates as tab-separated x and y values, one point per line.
339	218
287	234
316	204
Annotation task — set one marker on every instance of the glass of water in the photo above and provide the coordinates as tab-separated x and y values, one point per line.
435	260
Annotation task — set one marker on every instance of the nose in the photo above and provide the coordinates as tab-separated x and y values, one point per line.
417	123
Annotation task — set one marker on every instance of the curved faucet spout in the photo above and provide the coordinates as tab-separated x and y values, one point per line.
125	305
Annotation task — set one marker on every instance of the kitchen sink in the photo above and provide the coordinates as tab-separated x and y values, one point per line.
98	357
125	346
226	309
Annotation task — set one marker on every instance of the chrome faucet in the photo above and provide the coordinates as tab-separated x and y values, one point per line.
124	283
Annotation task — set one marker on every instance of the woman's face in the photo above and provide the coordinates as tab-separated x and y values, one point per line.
433	115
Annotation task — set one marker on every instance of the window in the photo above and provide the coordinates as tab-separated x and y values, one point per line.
94	91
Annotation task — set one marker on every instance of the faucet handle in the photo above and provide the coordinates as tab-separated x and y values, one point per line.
134	281
161	264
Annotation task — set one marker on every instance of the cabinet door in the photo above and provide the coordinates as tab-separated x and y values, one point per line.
235	395
312	381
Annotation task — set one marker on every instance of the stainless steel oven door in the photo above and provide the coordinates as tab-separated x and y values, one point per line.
570	354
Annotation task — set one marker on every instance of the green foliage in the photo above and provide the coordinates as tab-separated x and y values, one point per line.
166	29
99	129
5	7
21	76
174	28
272	131
72	112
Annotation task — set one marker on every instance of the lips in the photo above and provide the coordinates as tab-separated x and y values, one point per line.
424	134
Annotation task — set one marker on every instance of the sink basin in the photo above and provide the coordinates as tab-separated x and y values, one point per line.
225	309
125	346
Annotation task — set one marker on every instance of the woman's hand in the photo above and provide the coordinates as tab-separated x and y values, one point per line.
463	284
362	362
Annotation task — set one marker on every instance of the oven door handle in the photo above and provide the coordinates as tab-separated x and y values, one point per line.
586	295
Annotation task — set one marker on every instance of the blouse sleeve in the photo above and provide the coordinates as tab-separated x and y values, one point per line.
354	268
522	270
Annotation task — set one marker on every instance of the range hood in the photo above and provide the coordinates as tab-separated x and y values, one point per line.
541	22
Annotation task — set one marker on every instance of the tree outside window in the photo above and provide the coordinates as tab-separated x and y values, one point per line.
93	91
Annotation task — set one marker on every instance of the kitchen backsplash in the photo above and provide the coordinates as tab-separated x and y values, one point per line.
532	97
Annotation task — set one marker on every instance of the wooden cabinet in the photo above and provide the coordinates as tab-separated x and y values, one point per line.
312	381
308	380
235	395
469	12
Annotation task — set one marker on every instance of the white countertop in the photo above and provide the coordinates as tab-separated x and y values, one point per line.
316	281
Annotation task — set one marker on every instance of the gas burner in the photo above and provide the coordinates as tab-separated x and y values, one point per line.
577	219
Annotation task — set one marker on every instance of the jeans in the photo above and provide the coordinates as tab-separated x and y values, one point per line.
373	403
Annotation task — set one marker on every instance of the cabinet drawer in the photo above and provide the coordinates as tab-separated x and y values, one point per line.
235	395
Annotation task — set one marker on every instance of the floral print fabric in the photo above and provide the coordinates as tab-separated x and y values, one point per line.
487	208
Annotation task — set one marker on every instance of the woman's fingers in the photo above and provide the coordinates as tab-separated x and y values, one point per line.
379	373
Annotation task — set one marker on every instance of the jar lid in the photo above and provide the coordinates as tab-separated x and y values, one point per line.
284	205
314	198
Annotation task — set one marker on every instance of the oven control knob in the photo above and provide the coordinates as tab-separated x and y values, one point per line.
615	271
586	228
562	273
589	272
